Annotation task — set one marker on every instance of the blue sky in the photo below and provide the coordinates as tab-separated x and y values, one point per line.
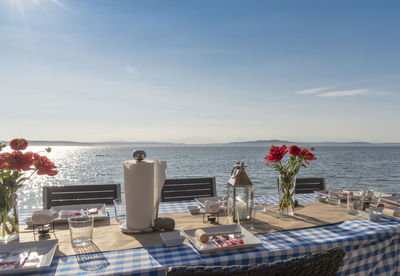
200	71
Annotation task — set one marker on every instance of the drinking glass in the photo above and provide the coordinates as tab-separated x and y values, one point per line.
348	202
334	197
339	197
377	198
120	210
264	203
357	206
81	230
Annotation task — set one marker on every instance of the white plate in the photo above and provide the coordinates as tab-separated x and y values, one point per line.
249	239
325	193
43	249
355	194
379	210
376	194
390	217
392	198
101	208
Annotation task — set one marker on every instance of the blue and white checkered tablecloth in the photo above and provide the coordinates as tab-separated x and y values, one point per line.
372	248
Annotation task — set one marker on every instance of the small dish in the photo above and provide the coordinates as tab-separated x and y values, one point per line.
194	210
173	238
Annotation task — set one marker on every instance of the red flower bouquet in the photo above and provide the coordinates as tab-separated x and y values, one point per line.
13	169
299	157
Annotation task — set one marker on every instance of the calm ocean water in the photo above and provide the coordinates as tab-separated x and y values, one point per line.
352	168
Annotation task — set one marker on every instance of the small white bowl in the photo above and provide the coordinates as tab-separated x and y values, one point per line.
194	210
173	238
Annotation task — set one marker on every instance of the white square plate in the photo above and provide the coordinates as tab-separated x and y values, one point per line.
101	208
42	250
379	210
249	239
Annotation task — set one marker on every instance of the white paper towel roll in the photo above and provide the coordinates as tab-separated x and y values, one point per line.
143	181
160	173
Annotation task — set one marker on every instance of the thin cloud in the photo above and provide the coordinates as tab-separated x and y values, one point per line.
381	93
312	91
173	109
343	93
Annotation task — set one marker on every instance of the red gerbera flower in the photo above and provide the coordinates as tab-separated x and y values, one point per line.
308	155
18	160
3	160
44	165
276	154
18	144
294	150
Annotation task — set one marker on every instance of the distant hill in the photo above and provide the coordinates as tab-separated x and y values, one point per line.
139	143
256	143
315	144
259	143
53	143
108	143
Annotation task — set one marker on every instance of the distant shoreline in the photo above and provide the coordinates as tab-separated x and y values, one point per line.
257	143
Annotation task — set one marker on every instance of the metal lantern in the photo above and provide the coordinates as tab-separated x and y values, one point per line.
240	194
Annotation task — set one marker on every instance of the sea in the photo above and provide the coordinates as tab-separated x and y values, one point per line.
352	168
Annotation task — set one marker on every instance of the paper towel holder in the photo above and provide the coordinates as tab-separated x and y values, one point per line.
139	155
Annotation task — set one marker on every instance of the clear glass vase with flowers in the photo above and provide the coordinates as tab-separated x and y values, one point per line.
15	168
299	157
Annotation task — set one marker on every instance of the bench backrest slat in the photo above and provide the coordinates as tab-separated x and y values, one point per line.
80	194
188	189
309	185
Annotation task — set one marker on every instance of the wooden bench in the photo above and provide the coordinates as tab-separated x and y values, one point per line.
80	194
188	189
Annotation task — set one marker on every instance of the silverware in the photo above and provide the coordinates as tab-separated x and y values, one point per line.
21	264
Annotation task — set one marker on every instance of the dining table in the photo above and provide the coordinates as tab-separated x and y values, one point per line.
371	247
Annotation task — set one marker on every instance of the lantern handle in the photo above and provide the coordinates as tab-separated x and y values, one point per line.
235	169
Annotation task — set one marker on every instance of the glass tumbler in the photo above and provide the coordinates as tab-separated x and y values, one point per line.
120	210
81	230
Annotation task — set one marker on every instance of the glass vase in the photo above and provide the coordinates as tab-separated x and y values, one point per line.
9	229
286	191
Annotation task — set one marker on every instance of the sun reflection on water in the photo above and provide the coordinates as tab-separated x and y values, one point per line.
344	168
76	166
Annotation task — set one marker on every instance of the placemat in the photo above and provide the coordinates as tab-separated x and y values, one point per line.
107	235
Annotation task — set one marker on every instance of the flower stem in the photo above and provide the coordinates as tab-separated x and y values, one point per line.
4	218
